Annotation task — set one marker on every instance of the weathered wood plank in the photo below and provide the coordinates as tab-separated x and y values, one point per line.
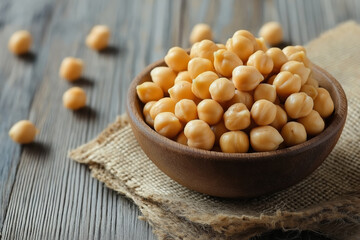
43	194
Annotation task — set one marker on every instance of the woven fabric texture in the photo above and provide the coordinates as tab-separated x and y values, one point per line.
327	201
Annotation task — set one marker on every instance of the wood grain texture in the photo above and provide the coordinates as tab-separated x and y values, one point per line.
43	194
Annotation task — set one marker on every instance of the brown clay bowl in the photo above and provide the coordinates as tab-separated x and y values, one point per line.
237	175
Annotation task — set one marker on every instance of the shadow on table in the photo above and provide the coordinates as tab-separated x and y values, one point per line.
86	114
110	50
84	82
37	149
28	57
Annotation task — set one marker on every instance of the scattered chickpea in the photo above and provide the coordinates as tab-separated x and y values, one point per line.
149	91
71	68
181	138
293	133
200	32
219	129
262	62
237	117
23	132
177	59
309	90
287	83
20	42
98	38
323	103
263	112
204	49
280	119
278	57
210	111
163	105
146	112
246	78
240	97
225	62
234	142
298	105
186	110
272	32
183	76
297	68
164	77
313	123
181	90
74	98
197	66
222	90
199	135
201	84
265	91
241	46
265	138
167	124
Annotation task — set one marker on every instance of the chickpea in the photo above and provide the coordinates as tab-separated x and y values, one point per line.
167	124
71	68
297	53
225	62
186	110
74	98
163	105
280	118
261	44
210	111
298	105
98	37
323	103
181	90
20	42
221	46
183	76
197	66
204	49
261	62
199	135
241	97
263	112
222	90
248	35
146	112
164	77
181	138
287	83
271	79
23	132
293	133
313	123
237	117
265	91
246	78
201	84
219	129
234	142
177	59
278	57
309	90
313	82
241	46
297	68
272	32
200	32
149	91
265	138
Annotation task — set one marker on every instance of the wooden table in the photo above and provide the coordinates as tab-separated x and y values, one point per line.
45	195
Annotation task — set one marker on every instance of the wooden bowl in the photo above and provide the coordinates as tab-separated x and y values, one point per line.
237	175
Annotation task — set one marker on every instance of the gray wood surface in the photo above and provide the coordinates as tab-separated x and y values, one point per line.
43	194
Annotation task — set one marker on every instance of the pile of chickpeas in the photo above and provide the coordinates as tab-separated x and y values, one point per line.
71	69
239	97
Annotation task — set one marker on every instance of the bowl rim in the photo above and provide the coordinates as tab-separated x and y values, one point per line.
337	123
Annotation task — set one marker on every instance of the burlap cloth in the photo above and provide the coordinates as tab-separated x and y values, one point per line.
328	201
